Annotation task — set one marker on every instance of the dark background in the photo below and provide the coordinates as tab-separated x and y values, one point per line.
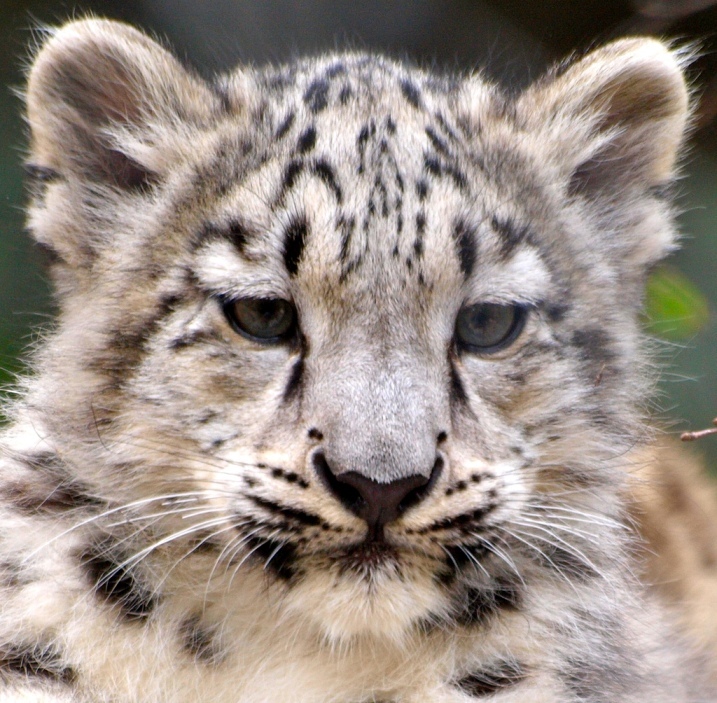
514	40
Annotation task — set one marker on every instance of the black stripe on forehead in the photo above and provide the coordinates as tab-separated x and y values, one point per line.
316	96
237	232
411	92
295	236
438	168
323	169
511	234
464	237
320	168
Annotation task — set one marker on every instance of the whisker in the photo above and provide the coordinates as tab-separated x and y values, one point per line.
570	548
104	514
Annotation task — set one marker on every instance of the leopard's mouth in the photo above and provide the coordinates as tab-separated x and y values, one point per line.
367	556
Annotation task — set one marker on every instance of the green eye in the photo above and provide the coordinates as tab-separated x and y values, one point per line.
485	328
269	320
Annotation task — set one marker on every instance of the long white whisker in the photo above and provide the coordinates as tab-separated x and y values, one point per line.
572	549
104	514
138	556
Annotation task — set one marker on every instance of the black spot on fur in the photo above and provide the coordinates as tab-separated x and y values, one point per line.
511	234
317	95
198	640
49	256
307	140
365	133
38	178
189	339
421	189
465	239
294	242
292	172
236	232
421	223
432	165
460	557
34	661
293	385
446	128
478	606
221	90
238	235
471	518
438	169
345	94
411	92
457	391
326	173
285	126
347	227
593	344
491	679
288	476
50	490
115	583
337	69
290	514
557	311
438	144
278	557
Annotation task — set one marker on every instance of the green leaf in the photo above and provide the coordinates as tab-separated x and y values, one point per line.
674	309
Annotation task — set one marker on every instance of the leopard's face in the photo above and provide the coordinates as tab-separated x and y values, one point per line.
366	384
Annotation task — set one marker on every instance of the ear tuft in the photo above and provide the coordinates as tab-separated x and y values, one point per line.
98	85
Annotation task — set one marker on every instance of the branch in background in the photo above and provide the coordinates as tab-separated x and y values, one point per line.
692	436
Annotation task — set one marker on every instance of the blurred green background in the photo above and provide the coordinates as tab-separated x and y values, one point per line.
513	40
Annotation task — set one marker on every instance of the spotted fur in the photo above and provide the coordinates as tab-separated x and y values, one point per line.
365	506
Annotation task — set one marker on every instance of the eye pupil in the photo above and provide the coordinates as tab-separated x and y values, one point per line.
489	327
262	319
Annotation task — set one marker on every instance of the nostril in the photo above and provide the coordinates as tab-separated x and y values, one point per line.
346	493
416	495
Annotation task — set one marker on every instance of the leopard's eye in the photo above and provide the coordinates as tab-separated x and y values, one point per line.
486	328
268	320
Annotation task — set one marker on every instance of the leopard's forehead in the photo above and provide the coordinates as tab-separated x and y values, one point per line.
368	176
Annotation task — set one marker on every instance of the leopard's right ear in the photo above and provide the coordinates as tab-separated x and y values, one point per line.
103	101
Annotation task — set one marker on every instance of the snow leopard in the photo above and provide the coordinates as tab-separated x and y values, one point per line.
347	391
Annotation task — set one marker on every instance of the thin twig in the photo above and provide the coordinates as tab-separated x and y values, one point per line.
692	436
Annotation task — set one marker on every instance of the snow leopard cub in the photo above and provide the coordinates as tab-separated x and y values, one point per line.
342	396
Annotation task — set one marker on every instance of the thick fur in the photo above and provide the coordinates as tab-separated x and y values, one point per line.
168	532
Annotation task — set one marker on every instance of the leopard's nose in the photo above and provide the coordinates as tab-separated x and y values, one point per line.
376	503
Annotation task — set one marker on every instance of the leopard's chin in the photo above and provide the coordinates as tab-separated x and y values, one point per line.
368	590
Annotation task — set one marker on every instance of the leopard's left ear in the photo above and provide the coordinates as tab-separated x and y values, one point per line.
614	119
